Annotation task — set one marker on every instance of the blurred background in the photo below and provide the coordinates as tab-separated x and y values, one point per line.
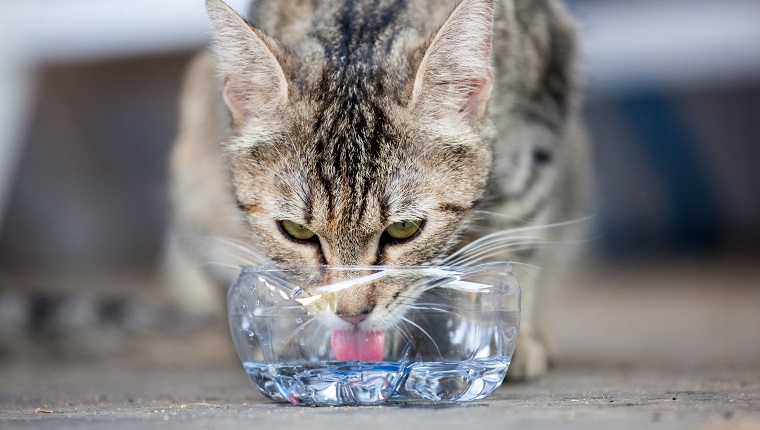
88	110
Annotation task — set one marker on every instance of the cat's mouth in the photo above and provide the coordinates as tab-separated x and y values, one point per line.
358	345
357	341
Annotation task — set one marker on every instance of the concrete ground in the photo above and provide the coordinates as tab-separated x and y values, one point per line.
673	346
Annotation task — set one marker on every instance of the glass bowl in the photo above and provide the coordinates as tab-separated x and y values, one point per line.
326	335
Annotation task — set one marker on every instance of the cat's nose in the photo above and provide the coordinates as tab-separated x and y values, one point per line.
353	319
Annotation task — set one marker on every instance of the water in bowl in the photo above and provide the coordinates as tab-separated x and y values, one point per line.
330	383
349	383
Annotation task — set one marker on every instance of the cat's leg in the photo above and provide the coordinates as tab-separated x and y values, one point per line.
203	207
531	358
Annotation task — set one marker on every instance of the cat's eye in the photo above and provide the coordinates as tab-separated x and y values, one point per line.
403	230
297	231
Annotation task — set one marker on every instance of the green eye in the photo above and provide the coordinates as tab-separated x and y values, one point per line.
297	231
403	230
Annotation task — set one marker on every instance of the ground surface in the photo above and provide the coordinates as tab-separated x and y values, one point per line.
573	397
673	347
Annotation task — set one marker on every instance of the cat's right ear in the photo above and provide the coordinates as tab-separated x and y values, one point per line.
255	86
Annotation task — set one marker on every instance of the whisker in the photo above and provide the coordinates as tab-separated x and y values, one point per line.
285	308
531	266
230	258
220	264
300	327
506	241
406	336
552	225
512	231
496	255
468	258
433	304
509	218
432	307
490	239
526	274
437	309
435	344
444	311
494	246
229	244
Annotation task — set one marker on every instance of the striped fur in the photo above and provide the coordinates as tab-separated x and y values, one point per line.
348	115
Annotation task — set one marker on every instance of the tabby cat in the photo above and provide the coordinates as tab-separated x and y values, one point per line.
381	132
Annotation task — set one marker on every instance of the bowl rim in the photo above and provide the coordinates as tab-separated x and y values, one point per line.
279	267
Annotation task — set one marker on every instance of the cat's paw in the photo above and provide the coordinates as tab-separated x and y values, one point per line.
530	359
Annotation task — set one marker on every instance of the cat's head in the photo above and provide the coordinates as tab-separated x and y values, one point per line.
364	144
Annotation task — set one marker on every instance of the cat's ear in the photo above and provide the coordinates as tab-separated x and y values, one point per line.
255	85
454	78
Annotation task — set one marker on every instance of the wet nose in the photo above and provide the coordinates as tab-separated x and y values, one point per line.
354	319
355	316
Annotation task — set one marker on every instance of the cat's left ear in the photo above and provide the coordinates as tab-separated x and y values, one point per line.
454	78
255	86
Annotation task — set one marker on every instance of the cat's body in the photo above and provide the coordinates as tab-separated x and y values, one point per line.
391	132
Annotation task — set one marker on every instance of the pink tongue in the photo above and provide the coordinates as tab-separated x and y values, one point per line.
357	345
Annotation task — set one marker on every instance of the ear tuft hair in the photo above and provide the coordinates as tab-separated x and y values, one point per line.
255	85
454	78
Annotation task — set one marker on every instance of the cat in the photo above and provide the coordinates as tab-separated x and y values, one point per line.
381	132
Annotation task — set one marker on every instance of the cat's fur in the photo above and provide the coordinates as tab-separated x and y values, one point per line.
348	115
